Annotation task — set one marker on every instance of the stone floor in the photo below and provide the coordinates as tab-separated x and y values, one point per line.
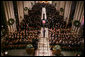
22	52
43	45
43	48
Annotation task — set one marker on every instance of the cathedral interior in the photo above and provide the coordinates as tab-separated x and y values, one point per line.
42	28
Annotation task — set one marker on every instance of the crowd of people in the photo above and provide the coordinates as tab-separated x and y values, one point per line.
20	39
30	29
66	40
34	16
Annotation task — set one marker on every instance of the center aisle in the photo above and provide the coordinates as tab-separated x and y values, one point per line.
43	45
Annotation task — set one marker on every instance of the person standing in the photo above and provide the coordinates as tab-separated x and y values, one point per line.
44	32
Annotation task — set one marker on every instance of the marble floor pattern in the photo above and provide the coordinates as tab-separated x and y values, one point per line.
22	52
43	45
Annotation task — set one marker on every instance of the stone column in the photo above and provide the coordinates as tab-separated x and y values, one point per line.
79	14
67	11
9	13
26	4
81	17
62	4
20	6
78	9
74	18
12	15
6	14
